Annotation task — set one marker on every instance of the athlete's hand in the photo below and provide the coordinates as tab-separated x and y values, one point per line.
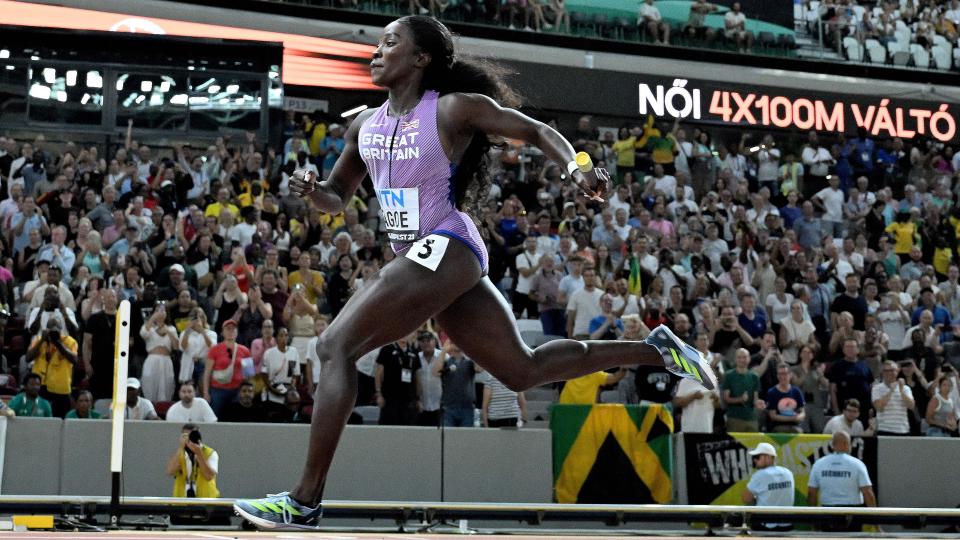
594	183
303	182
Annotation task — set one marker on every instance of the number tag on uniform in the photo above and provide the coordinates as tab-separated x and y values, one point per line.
406	375
428	251
400	209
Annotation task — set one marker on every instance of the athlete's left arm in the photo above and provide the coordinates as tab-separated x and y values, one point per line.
472	113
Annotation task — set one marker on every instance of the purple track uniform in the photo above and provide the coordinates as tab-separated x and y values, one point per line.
414	178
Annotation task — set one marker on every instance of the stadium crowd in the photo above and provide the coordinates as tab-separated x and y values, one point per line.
821	280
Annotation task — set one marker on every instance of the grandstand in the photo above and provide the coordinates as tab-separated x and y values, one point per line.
788	192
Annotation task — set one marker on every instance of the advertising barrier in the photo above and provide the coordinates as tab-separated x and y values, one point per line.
718	466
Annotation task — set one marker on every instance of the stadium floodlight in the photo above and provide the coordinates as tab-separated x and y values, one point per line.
4	53
233	88
10	68
94	80
49	75
85	99
120	80
61	96
353	111
39	91
140	99
213	88
199	100
146	86
72	77
178	99
165	86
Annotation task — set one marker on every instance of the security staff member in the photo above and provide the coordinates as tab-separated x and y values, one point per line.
840	479
771	485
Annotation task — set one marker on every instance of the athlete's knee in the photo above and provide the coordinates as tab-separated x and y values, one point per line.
331	350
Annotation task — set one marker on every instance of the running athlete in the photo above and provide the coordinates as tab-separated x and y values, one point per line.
424	149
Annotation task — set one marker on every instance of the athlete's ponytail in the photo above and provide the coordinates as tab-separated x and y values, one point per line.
450	72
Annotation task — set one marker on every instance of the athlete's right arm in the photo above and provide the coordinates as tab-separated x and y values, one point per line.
331	195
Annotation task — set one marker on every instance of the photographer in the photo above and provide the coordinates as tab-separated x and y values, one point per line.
193	466
53	357
51	308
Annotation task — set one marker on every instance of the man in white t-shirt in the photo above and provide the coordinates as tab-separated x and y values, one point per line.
840	479
771	485
281	363
735	28
190	408
528	263
650	17
849	421
697	405
830	200
893	400
138	407
583	306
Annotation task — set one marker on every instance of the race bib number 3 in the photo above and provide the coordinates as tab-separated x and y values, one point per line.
428	251
400	209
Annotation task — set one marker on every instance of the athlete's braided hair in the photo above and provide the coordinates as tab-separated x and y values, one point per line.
451	72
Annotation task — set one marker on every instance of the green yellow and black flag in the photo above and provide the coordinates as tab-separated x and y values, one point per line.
612	454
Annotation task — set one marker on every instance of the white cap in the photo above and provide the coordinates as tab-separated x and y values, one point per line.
177	268
133	382
764	449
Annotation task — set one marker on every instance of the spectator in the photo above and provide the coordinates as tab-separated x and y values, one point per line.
941	412
848	421
244	409
195	342
850	378
54	355
190	408
431	385
651	21
313	366
785	404
770	485
585	390
796	331
528	265
697	406
459	394
398	385
741	389
224	367
161	340
606	326
735	28
584	306
138	407
281	363
83	408
893	400
696	26
194	466
502	407
28	402
545	291
840	479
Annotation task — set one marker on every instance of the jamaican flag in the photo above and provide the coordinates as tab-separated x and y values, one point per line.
612	454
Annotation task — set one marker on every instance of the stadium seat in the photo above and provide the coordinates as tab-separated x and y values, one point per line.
370	413
603	26
853	49
162	407
766	40
8	385
942	56
921	56
102	406
876	52
626	28
578	22
787	41
901	58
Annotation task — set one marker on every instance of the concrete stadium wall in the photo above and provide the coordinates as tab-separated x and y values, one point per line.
51	457
45	456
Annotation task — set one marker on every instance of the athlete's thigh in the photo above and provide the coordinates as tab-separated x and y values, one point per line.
396	300
481	323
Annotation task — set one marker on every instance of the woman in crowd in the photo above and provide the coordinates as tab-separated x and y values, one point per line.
195	341
161	340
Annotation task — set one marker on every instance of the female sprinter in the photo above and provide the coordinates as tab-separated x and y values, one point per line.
424	149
